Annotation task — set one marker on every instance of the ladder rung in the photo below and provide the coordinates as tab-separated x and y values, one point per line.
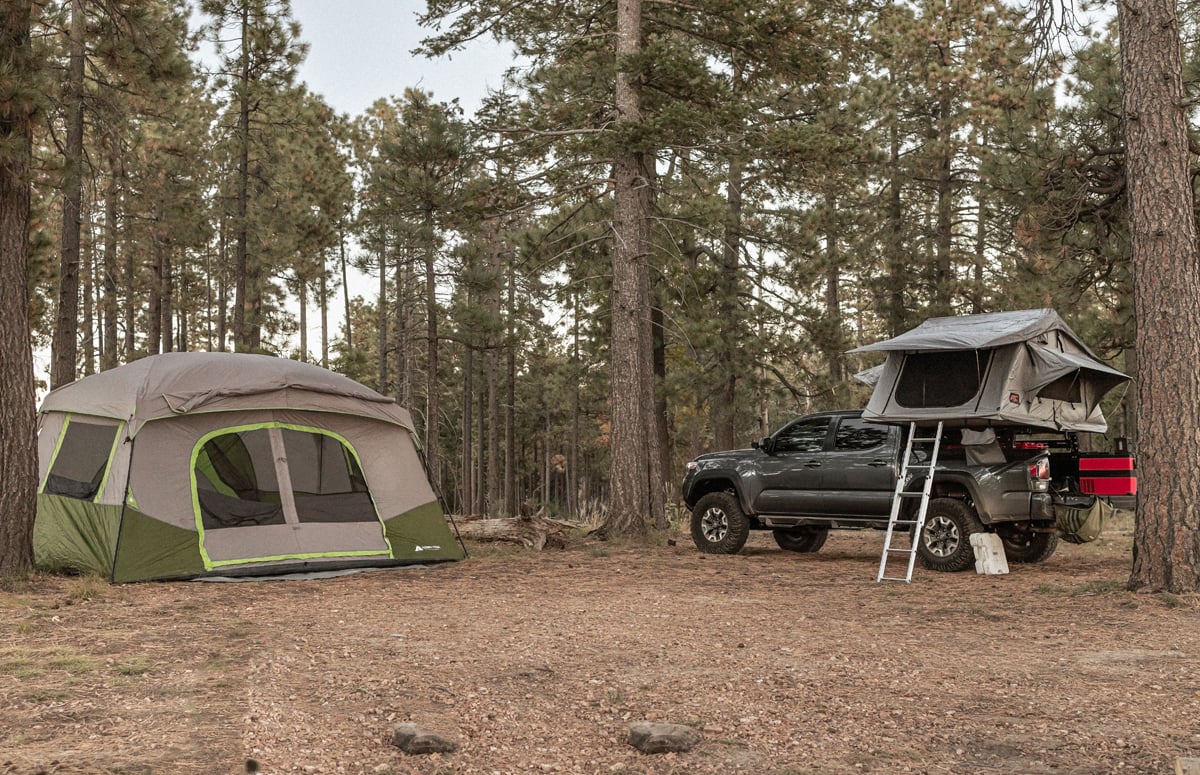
907	494
899	550
893	578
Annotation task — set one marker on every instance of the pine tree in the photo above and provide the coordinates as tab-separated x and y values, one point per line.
19	101
1166	270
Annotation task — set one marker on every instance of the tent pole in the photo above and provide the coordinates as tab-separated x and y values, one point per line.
112	573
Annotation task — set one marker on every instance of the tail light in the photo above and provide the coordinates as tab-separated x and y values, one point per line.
1040	469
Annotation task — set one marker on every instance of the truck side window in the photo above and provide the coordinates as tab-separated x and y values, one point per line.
854	434
804	436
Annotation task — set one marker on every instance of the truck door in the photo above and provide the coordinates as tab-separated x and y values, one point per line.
859	472
791	472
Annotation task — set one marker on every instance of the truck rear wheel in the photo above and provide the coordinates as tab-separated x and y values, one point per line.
1024	545
945	543
718	524
804	539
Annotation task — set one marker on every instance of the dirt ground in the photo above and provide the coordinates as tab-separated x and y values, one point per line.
533	663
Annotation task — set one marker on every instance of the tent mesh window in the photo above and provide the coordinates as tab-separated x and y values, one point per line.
82	459
941	379
237	486
235	481
327	482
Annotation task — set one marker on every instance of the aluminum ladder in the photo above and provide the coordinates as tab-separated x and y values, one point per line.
915	524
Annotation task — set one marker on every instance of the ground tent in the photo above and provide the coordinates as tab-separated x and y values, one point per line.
192	464
1023	368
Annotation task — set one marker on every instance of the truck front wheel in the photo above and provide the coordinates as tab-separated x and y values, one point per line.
945	543
718	524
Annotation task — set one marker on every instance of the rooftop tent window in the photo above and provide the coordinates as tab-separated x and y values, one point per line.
941	378
81	460
327	481
1065	388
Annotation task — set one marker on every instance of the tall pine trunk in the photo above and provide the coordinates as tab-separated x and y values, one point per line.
65	345
108	301
631	368
243	312
432	410
18	442
1166	282
727	318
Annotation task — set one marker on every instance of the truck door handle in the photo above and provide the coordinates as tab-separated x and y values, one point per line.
813	464
877	463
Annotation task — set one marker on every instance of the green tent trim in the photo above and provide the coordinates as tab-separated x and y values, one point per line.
198	453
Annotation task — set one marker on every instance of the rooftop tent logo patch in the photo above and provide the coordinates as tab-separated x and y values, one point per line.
426	548
1014	398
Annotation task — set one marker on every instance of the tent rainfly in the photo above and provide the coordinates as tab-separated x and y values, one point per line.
1023	368
219	464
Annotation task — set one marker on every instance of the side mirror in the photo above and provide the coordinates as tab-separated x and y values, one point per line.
767	445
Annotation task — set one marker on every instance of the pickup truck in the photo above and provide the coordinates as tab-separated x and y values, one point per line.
834	470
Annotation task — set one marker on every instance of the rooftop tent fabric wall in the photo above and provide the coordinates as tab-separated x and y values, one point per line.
233	464
1022	368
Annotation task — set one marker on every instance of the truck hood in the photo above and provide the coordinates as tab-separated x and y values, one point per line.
731	454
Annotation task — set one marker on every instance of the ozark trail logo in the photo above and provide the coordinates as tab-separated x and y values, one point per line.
427	548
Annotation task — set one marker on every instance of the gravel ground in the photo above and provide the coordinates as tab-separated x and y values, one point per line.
539	662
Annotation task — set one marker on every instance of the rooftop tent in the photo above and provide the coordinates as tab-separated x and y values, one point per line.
192	464
1023	368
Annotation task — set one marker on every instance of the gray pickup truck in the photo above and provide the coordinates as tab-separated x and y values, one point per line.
834	470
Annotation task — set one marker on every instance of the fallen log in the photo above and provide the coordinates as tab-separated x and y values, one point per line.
532	532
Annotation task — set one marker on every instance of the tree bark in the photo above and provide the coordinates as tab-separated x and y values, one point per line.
18	442
1166	280
346	294
154	300
323	296
510	403
727	318
243	315
630	427
168	302
108	302
302	300
382	313
432	410
65	346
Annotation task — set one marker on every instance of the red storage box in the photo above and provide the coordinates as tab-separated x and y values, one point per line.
1116	463
1108	485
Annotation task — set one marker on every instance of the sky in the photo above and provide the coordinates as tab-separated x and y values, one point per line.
359	51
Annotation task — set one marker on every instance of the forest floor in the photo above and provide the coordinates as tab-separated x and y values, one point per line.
539	662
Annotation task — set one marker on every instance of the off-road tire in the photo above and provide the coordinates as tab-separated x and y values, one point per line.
1027	546
719	526
945	543
804	539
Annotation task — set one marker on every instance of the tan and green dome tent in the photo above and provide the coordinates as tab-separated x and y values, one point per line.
192	464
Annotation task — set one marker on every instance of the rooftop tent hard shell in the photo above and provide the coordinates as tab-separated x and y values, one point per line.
191	464
1022	368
